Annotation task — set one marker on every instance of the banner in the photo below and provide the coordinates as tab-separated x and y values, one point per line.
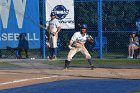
64	11
19	23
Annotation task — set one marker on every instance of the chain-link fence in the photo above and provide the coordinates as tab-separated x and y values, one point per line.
119	19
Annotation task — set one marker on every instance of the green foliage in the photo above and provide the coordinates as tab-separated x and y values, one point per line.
86	13
117	16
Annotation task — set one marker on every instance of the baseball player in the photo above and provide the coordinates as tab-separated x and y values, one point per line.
53	30
76	44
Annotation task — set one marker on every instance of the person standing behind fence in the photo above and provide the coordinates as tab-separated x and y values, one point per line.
133	45
53	30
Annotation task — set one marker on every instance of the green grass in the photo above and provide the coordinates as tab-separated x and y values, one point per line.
136	92
123	61
5	64
110	55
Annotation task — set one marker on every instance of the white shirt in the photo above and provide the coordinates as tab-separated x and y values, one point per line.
78	37
53	25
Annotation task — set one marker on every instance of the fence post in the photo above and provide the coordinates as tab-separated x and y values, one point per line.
100	26
43	34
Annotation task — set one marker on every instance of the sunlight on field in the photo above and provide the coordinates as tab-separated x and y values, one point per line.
136	92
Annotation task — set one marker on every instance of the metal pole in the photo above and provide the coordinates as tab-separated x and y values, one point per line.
100	26
43	33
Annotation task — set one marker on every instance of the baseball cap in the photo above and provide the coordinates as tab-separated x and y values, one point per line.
133	32
84	26
52	14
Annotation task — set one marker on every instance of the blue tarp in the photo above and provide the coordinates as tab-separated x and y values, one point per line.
81	86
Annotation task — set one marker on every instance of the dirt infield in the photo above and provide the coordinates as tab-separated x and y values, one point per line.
18	78
30	72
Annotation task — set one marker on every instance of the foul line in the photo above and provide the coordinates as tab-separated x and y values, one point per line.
24	80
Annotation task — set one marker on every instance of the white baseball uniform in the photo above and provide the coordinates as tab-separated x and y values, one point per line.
79	43
53	26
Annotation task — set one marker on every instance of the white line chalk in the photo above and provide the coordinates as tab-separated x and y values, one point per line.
24	80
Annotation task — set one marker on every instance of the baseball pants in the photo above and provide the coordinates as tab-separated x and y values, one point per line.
81	49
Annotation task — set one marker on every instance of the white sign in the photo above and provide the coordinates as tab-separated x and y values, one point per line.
64	11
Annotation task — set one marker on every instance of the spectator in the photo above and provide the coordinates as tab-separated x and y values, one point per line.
133	45
22	46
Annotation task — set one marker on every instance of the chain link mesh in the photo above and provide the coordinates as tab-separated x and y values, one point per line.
119	19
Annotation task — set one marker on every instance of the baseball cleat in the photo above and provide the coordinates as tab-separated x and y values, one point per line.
66	65
65	68
92	67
